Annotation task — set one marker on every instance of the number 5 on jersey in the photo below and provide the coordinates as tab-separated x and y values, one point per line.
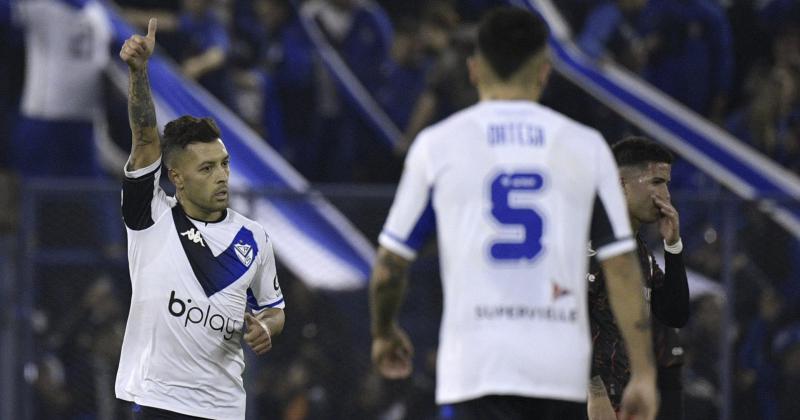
503	185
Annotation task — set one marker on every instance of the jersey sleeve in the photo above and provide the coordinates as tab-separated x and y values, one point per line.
265	291
611	233
143	200
411	218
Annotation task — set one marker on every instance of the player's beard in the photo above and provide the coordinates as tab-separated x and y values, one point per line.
218	203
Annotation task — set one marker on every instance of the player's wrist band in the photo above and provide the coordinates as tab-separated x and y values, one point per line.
264	326
675	248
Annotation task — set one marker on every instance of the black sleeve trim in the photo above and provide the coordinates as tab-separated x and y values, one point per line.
137	198
601	232
671	301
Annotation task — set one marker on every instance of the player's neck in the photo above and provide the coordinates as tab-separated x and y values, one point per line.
509	92
635	224
198	213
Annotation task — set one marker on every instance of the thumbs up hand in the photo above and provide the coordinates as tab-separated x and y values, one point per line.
257	334
138	49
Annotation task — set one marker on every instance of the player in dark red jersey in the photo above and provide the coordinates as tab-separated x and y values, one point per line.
645	171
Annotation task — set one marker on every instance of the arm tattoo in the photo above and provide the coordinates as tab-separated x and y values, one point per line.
643	323
141	111
387	290
596	387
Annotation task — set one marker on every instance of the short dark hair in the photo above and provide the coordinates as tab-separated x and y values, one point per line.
185	130
508	37
635	150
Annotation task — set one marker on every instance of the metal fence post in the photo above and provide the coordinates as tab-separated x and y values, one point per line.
728	238
8	340
25	370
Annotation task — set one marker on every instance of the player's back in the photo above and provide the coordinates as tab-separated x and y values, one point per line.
512	186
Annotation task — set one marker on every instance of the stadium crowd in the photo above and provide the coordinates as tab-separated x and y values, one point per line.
734	62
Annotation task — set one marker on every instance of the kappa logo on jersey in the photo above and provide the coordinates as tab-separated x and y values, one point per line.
194	236
245	253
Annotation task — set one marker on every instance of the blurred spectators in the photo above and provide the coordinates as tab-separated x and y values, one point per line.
67	47
406	71
362	34
74	376
614	31
448	44
787	353
701	372
770	121
692	54
758	373
276	71
197	38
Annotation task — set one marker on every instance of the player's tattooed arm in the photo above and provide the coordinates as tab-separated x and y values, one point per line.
596	387
387	290
135	53
598	406
141	111
392	350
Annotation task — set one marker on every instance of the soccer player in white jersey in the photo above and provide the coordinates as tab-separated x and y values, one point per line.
66	43
196	267
514	191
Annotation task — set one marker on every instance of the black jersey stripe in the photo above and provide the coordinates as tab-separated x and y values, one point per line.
137	198
215	273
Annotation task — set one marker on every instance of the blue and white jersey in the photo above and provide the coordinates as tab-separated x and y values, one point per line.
513	190
67	49
192	282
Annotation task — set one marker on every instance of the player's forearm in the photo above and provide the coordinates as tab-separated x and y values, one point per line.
146	145
386	291
210	60
423	112
597	389
624	283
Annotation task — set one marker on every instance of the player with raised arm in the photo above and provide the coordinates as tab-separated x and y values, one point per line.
514	191
203	276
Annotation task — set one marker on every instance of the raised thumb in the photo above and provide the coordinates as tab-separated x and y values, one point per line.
152	27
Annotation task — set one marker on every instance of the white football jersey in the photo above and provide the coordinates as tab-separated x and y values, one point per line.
67	49
192	282
513	190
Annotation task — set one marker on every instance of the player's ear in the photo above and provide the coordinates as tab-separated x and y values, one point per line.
544	72
176	178
472	68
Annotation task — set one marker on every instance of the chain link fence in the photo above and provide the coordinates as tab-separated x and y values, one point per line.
65	294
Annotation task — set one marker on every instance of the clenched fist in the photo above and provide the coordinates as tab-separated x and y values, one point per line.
138	49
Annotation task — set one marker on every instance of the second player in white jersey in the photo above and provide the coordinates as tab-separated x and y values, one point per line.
514	192
67	51
516	181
